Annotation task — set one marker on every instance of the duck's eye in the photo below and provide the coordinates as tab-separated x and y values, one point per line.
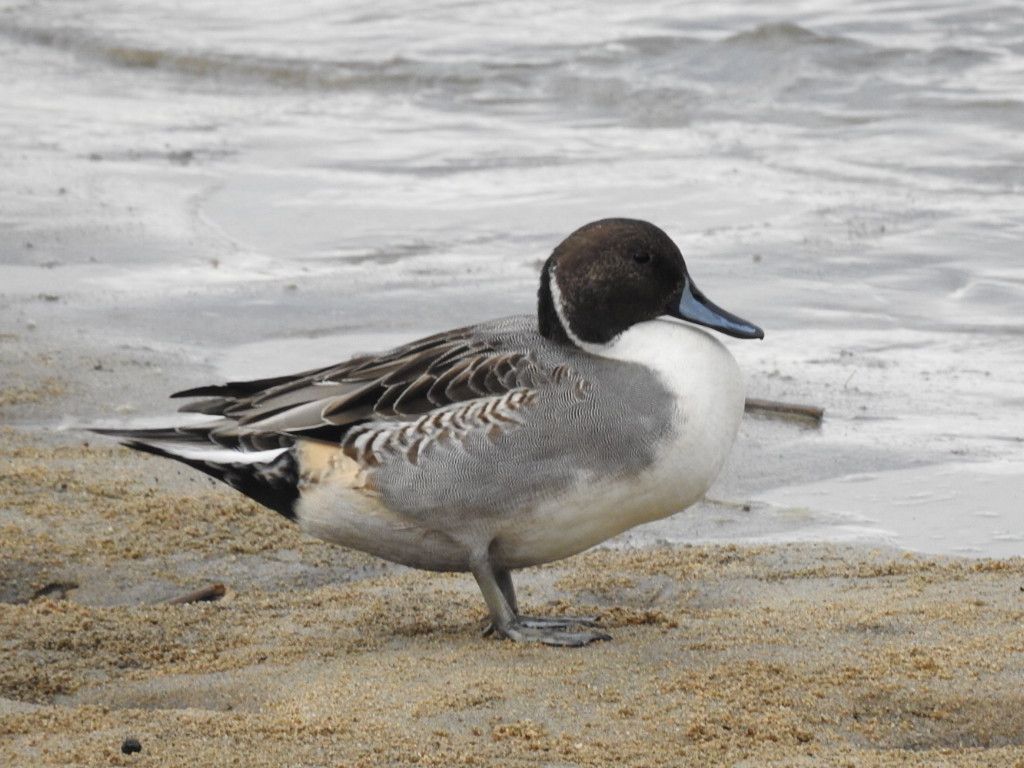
641	257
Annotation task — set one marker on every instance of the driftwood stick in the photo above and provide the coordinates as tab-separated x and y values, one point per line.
206	594
785	410
55	590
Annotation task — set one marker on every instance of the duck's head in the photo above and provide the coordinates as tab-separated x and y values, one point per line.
614	273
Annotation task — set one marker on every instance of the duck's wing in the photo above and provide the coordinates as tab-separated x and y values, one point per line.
402	384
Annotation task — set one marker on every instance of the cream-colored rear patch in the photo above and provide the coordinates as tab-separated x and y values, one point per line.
321	465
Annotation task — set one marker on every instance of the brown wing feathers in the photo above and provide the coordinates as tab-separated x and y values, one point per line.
325	403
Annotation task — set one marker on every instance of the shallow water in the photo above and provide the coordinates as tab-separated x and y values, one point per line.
267	186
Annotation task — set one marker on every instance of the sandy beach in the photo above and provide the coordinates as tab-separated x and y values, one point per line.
785	655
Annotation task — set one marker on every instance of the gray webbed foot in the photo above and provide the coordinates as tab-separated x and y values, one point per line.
550	635
550	622
557	622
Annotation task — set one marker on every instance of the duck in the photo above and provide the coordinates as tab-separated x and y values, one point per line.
495	447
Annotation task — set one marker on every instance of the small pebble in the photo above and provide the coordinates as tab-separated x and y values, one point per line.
131	744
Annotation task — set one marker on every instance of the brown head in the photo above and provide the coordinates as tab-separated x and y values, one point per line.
614	273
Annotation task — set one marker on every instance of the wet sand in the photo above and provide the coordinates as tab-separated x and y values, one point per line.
786	655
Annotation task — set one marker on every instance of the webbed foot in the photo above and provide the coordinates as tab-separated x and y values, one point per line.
557	622
551	622
551	634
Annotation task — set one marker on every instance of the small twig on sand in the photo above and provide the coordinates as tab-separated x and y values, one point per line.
206	594
786	410
55	590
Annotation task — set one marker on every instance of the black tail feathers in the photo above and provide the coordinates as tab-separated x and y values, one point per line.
273	483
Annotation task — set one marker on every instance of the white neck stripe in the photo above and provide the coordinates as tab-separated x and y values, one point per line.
556	299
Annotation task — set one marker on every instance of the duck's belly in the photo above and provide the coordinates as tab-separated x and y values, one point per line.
577	520
595	509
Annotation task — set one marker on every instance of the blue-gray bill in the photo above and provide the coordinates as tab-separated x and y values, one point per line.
695	307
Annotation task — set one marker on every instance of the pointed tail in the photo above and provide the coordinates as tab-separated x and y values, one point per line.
269	477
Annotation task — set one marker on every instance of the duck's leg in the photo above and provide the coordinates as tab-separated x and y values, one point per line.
504	578
506	622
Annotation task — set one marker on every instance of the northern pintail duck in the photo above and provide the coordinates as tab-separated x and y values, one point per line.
502	445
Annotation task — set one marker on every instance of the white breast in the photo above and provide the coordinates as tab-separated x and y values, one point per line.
709	393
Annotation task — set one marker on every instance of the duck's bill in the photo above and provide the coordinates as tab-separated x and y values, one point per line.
695	307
